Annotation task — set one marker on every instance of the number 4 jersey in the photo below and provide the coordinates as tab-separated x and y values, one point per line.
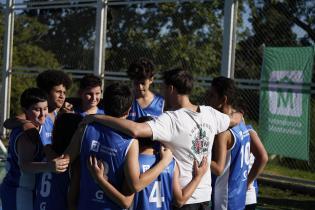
158	194
229	189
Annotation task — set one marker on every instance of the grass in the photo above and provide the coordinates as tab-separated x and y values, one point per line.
272	198
277	169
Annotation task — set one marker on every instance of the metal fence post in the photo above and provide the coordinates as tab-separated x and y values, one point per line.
7	65
100	40
229	38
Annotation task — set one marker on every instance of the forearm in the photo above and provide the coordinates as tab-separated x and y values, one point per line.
36	167
124	201
15	122
188	190
149	176
256	170
125	126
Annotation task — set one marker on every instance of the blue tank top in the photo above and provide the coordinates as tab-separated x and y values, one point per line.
158	194
229	189
111	148
51	191
46	130
18	186
83	114
155	108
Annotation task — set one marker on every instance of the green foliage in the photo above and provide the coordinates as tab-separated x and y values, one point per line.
19	84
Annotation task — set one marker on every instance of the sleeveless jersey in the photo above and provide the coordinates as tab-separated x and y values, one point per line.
111	148
46	130
159	193
83	114
18	188
51	191
229	190
155	108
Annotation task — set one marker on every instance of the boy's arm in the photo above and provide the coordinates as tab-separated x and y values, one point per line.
96	169
128	127
26	150
73	150
74	186
182	195
260	154
18	121
137	180
219	152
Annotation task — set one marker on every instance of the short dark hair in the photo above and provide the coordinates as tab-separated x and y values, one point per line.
48	79
226	87
141	69
181	79
117	99
90	81
32	96
64	127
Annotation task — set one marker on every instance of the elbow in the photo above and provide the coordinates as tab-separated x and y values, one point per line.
180	203
264	158
126	204
136	187
218	171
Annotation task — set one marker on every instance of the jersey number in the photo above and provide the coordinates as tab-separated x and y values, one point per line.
155	195
46	185
245	154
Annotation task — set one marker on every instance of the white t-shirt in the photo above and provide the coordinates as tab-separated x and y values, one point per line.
190	136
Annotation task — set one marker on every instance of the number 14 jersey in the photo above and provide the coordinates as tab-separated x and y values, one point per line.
159	193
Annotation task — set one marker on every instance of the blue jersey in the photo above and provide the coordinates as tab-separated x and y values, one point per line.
229	189
46	130
83	114
111	148
51	191
158	194
18	188
155	108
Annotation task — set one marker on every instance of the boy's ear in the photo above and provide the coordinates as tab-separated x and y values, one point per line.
171	88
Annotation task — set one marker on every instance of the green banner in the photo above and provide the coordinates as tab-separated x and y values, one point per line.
285	101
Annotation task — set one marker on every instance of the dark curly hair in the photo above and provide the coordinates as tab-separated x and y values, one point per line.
46	80
181	79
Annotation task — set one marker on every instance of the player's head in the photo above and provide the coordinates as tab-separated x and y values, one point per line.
117	100
90	91
145	142
176	81
141	73
55	84
64	127
223	92
34	104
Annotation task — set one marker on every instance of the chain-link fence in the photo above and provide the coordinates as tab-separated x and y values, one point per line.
61	35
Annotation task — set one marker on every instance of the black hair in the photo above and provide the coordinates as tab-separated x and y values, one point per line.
90	81
46	80
226	87
141	69
145	142
117	99
32	96
64	127
181	79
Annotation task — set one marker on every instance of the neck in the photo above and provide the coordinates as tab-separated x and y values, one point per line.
89	110
183	101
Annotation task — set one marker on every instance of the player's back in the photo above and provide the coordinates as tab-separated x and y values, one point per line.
111	148
229	191
158	194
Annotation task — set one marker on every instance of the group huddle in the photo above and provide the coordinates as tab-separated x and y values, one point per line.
135	149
